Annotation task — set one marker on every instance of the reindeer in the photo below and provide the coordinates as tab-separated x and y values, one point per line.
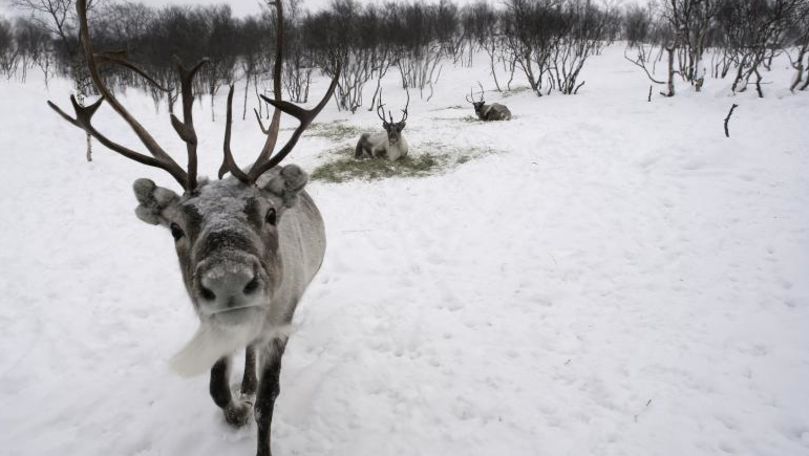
391	144
494	111
248	244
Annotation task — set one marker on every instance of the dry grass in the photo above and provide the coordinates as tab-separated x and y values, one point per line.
436	159
346	167
336	131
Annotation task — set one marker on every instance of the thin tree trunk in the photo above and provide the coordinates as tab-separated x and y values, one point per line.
89	153
382	74
670	83
244	104
493	66
512	70
89	148
213	108
258	97
798	65
758	84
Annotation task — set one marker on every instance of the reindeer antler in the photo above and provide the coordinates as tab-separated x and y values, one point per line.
159	158
185	128
265	159
471	97
481	91
380	111
407	103
83	119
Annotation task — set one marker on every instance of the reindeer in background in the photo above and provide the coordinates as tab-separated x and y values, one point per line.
248	244
390	144
494	111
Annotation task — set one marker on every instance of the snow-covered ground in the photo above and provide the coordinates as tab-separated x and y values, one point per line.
617	279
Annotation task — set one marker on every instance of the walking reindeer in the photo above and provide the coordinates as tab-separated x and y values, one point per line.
390	144
494	111
248	244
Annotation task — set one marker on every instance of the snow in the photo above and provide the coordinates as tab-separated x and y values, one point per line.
618	278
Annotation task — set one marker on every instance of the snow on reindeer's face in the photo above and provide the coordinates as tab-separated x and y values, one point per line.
226	238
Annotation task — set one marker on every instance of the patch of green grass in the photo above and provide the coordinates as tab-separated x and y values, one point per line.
336	131
440	158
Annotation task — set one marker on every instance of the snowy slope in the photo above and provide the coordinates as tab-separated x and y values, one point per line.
618	279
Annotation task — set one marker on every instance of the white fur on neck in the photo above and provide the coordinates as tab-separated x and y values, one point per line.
210	343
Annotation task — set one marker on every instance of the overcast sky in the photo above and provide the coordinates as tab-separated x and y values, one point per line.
245	7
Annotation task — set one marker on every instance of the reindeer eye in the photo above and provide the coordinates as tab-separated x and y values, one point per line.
176	231
271	217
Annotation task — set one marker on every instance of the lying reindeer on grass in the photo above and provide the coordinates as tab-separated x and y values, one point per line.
494	111
248	244
390	144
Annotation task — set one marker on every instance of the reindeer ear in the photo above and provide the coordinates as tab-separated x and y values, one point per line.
153	200
287	184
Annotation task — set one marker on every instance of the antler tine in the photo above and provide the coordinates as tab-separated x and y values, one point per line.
304	116
185	129
84	114
471	97
275	122
120	58
229	165
481	90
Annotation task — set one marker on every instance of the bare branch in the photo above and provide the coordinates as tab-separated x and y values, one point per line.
264	130
727	119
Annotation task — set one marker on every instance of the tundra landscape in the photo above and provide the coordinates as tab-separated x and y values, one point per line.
616	270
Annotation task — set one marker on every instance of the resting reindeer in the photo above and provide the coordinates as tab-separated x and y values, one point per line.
248	244
494	111
390	144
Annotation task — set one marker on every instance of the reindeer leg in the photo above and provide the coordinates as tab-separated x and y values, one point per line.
236	412
363	147
249	380
268	389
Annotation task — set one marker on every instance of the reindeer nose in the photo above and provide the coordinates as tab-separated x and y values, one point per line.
228	289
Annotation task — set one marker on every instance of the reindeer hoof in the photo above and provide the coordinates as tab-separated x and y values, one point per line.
237	414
